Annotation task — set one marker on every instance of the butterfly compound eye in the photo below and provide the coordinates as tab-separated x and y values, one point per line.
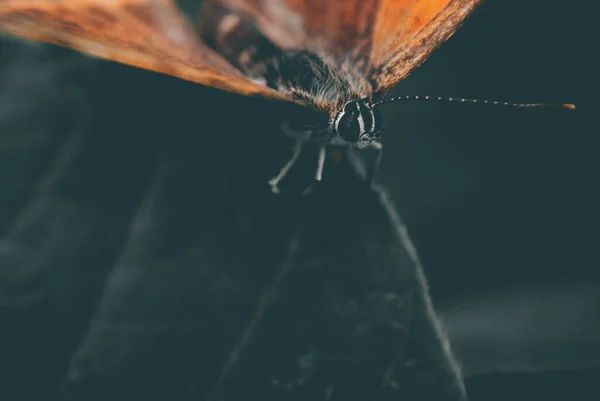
357	121
347	122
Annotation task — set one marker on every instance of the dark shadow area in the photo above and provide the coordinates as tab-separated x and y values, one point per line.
143	256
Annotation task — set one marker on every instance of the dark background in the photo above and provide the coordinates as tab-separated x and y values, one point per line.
501	203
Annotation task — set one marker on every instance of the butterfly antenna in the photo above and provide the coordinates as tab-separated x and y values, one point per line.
492	102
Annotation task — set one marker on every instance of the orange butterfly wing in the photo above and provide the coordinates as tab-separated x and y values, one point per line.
148	34
382	39
406	33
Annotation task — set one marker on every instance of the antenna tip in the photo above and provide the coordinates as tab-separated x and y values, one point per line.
569	106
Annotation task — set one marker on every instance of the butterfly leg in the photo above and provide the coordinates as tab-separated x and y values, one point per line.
273	182
318	171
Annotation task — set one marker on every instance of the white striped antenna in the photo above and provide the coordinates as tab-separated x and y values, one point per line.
569	106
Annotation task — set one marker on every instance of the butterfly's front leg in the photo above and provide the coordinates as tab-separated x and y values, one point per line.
318	172
274	182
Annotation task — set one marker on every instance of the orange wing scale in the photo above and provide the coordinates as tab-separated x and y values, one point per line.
406	33
148	34
382	39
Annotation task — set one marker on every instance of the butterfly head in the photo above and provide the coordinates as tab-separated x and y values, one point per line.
359	123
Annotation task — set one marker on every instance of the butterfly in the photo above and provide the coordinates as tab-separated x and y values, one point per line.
337	58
